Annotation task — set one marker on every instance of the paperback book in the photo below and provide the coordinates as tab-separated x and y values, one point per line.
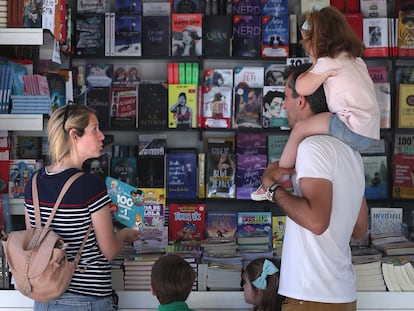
251	143
221	225
125	169
98	99
386	221
249	170
90	39
217	107
182	106
403	167
20	172
128	29
405	106
217	35
187	36
246	35
248	105
278	232
155	35
275	36
123	113
218	77
376	176
254	224
129	201
151	171
187	223
273	115
152	106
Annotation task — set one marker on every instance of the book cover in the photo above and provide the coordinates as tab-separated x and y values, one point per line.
187	6
97	6
4	176
375	34
254	223
275	36
97	98
221	225
154	207
250	76
129	201
126	74
217	107
89	37
186	34
32	14
155	36
152	144
57	88
98	166
182	106
275	145
19	173
386	221
128	29
249	174
201	174
152	106
247	7
405	106
128	6
247	107
29	147
220	167
99	74
217	34
274	7
376	176
403	167
123	113
373	8
273	114
187	222
152	239
383	95
182	174
251	143
378	74
151	171
246	35
273	75
278	231
124	169
405	40
218	77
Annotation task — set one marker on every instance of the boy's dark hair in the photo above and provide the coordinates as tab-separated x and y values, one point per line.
172	279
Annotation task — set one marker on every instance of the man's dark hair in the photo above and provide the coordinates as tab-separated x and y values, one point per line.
317	100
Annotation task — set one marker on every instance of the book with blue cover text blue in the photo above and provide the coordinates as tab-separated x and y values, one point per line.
182	174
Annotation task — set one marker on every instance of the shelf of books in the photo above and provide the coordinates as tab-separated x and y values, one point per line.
21	36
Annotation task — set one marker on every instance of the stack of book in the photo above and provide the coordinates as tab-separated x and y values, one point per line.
30	104
398	274
369	276
137	272
224	277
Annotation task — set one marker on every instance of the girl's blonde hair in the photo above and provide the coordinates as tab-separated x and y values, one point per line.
328	33
60	123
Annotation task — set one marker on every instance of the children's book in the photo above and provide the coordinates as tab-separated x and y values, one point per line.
182	106
186	33
403	167
154	207
182	174
217	107
129	202
187	223
20	172
221	225
254	223
278	231
220	167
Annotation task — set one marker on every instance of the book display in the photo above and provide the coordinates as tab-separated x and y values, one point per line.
132	94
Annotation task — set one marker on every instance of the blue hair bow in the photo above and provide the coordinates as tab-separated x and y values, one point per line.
268	269
316	8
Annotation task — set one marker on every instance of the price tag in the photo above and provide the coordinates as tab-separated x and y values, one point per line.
297	61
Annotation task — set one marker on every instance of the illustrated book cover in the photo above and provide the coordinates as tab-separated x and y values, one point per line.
187	223
182	106
182	174
217	107
405	106
246	35
248	76
129	201
221	225
220	167
251	143
186	34
278	231
89	34
123	112
249	174
128	30
218	77
19	173
386	221
275	36
376	176
254	223
273	114
248	105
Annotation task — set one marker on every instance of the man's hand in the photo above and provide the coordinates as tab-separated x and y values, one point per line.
273	173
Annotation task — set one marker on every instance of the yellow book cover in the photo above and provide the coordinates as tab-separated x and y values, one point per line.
278	231
182	106
406	106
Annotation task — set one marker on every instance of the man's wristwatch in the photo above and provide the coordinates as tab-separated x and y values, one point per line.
270	192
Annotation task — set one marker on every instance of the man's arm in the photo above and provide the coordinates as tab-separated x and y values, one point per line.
361	225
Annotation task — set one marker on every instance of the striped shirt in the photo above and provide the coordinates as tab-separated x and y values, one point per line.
87	195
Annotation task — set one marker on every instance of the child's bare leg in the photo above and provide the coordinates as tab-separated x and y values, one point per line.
317	124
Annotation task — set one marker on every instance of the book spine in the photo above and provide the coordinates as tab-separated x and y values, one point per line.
107	33
188	73
195	73
181	73
201	175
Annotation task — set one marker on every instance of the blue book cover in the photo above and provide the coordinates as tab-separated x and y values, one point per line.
128	30
376	177
275	36
246	35
274	7
129	201
128	6
250	169
182	174
254	223
247	7
156	36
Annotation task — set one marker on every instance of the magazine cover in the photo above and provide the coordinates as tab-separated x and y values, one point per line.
187	222
129	202
186	34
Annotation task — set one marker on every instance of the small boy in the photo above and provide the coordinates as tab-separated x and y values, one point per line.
171	281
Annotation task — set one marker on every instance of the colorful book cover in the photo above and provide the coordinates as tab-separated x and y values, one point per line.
124	169
99	74
123	113
376	177
249	174
126	74
182	106
275	36
251	143
375	34
151	171
273	114
57	88
152	239
129	202
246	35
274	7
32	13
152	106
386	221
217	35
405	40
405	107
378	74
154	207
187	223
250	76
218	77
254	223
220	167
278	231
98	99
128	29
217	107
275	145
221	225
247	107
20	172
155	36
187	36
181	174
247	7
89	34
403	167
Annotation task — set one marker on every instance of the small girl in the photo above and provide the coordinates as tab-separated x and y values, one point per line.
260	284
335	51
